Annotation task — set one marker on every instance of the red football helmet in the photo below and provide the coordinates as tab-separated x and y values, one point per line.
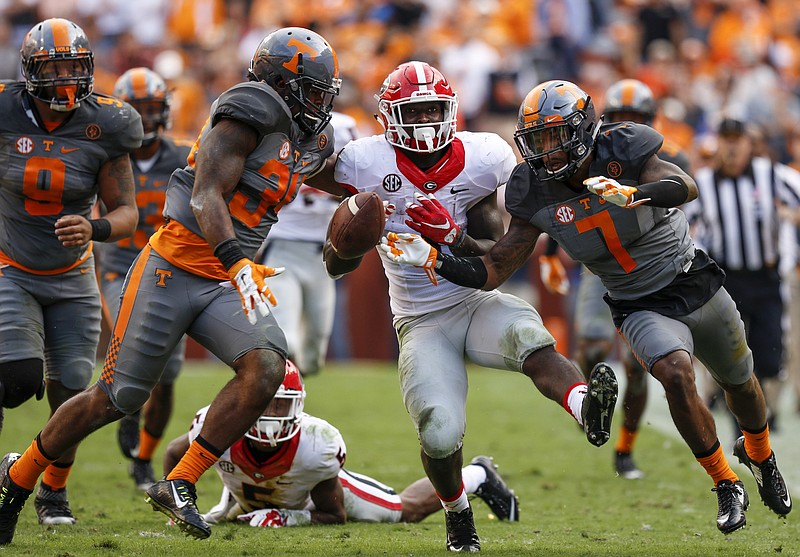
417	82
58	64
281	420
146	91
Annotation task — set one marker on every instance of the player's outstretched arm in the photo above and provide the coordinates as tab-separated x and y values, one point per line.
328	498
486	272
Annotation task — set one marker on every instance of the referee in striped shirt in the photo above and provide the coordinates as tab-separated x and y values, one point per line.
735	218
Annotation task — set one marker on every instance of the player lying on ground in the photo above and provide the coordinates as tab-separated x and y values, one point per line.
288	471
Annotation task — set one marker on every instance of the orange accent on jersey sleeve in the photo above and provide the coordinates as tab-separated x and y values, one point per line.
185	249
6	260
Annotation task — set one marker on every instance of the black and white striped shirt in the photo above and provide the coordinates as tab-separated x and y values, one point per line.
736	219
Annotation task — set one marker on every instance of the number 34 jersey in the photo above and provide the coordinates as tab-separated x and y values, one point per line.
46	175
635	252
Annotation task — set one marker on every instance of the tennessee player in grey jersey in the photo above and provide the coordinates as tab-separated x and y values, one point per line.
627	100
153	164
666	297
196	275
62	148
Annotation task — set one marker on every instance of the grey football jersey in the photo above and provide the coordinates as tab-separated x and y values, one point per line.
45	175
635	252
151	192
273	172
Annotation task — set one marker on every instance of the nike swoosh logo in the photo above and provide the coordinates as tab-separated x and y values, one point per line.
787	501
454	190
179	502
65	150
443	226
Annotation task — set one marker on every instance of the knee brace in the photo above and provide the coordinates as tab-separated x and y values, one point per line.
21	380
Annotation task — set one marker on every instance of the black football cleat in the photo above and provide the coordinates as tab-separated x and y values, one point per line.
733	501
128	435
52	506
461	533
494	491
626	467
598	406
12	499
771	487
142	473
177	499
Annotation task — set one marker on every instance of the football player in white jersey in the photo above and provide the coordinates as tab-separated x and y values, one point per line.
288	470
307	294
441	326
666	296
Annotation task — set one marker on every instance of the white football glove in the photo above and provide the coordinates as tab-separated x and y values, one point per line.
614	192
411	249
226	510
248	278
276	518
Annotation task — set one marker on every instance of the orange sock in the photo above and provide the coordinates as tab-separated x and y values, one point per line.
716	465
147	445
55	476
197	460
26	471
756	444
626	440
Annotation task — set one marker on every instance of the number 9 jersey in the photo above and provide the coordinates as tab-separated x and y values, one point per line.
45	175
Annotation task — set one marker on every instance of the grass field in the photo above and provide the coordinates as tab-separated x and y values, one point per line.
571	502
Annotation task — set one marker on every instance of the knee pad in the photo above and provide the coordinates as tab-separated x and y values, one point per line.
439	435
21	380
130	399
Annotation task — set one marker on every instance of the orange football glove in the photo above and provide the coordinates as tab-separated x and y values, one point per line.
248	278
614	192
554	277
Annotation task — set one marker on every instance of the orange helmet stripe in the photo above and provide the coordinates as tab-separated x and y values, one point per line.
60	30
628	93
139	84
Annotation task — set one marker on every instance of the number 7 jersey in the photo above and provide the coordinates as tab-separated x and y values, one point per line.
45	175
635	252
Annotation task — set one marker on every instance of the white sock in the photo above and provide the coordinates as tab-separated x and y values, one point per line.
575	401
458	504
473	476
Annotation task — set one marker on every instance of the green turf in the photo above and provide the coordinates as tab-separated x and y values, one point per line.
571	503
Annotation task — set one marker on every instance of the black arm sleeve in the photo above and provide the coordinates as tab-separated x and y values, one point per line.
668	192
464	271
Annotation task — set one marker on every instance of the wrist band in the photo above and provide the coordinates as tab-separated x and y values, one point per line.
101	229
459	239
229	252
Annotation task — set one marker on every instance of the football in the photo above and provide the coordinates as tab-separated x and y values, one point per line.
357	225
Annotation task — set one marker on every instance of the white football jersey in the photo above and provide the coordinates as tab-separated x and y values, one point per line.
306	218
477	164
314	455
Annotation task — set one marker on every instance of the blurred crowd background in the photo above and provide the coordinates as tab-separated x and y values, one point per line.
702	58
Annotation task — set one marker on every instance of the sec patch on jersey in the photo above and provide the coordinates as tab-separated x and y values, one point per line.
357	225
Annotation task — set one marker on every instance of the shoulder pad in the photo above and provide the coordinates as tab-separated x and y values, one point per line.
517	188
255	104
621	150
118	121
